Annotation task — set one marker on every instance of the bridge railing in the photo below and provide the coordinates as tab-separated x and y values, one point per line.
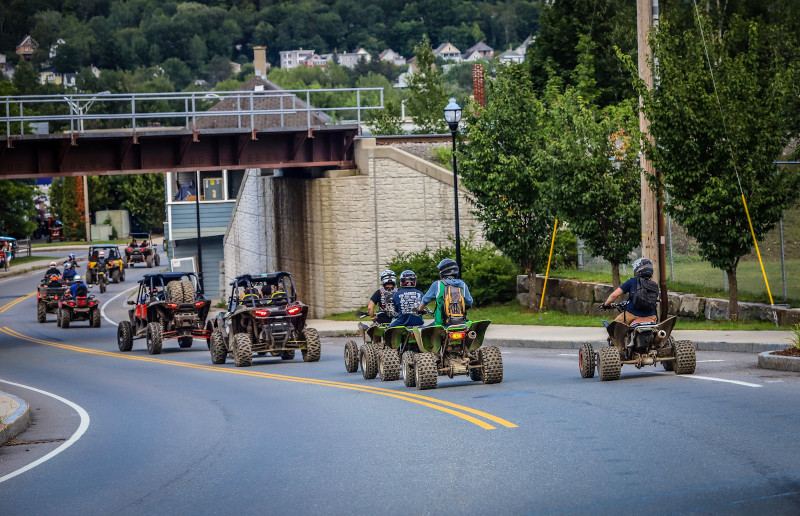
69	113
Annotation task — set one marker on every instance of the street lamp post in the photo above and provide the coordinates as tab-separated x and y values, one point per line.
452	114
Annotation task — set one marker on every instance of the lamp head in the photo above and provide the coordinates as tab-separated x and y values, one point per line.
452	114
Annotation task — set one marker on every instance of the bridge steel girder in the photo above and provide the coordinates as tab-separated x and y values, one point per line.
102	153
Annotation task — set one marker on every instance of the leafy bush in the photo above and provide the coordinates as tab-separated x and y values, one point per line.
565	251
443	155
490	276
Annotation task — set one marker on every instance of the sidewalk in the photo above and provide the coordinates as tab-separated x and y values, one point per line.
564	337
14	416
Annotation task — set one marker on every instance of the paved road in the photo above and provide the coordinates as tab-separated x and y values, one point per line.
172	434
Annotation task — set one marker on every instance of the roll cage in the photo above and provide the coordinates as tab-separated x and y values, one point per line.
153	287
269	289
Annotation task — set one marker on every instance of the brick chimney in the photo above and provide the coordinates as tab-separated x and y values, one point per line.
260	60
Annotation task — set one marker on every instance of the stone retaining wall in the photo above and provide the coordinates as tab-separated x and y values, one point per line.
577	297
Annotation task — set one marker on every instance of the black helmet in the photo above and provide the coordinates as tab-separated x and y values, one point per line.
408	279
643	268
388	276
448	268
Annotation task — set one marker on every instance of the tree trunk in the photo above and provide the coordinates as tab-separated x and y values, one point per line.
733	295
615	274
532	289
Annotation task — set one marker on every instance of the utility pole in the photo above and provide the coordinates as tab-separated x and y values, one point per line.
653	241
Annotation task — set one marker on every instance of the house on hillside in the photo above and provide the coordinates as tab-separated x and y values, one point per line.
27	48
478	51
393	57
351	59
6	68
294	58
511	56
219	189
448	51
523	48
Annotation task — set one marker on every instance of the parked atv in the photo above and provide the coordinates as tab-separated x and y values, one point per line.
115	267
452	350
264	316
168	305
80	307
642	343
48	295
371	351
141	250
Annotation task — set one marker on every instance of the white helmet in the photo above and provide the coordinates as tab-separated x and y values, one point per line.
77	278
101	254
67	266
53	264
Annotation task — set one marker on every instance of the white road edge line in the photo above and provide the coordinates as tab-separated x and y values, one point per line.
737	382
103	307
699	361
69	442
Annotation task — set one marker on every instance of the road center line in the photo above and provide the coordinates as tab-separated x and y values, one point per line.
69	442
16	302
103	306
441	405
709	378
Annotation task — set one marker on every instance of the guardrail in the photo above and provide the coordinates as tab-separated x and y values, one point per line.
24	245
132	111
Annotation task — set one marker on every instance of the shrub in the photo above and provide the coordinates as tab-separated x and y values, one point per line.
490	276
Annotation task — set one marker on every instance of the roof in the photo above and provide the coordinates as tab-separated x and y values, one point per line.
169	276
254	278
104	246
139	235
262	102
9	239
480	47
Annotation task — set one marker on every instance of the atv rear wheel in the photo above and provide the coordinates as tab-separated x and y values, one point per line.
65	319
242	350
41	312
685	357
218	350
390	365
586	360
115	276
426	374
368	356
157	260
407	369
476	374
609	365
313	350
492	361
94	319
102	287
669	365
185	342
149	261
287	354
188	291
351	356
155	338
124	336
58	318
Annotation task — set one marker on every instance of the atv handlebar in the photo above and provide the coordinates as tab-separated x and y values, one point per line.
619	306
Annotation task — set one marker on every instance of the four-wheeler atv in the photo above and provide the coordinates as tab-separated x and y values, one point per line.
115	267
141	250
55	230
264	316
452	350
49	294
642	343
80	307
368	356
168	305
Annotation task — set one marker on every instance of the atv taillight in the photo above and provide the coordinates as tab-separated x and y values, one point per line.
294	310
262	313
198	304
71	303
458	335
129	250
172	305
56	298
38	297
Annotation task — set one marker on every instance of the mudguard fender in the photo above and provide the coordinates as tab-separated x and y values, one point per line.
432	338
479	327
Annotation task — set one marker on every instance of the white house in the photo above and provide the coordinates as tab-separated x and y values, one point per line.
294	58
351	59
393	57
448	51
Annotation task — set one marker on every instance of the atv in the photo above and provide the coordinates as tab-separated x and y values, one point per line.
168	305
80	307
370	353
263	316
141	250
115	267
452	350
642	343
48	295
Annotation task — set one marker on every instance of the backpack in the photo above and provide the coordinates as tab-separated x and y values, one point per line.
645	298
387	302
453	306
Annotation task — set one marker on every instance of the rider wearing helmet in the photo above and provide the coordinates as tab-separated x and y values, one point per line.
407	301
448	272
642	268
77	284
69	272
383	298
52	271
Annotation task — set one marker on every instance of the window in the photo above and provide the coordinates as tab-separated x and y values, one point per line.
211	186
235	180
215	185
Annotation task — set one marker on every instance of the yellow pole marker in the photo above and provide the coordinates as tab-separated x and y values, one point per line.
413	398
547	272
763	272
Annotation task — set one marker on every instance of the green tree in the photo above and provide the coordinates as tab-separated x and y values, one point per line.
502	163
17	211
26	80
426	95
178	72
710	155
144	198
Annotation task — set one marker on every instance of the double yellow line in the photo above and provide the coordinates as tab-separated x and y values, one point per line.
16	302
460	411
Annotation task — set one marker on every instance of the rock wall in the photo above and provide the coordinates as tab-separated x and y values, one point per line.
336	233
577	297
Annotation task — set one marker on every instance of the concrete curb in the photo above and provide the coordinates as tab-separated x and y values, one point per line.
17	423
780	363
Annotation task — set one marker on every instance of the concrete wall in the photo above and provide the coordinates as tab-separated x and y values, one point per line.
336	233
